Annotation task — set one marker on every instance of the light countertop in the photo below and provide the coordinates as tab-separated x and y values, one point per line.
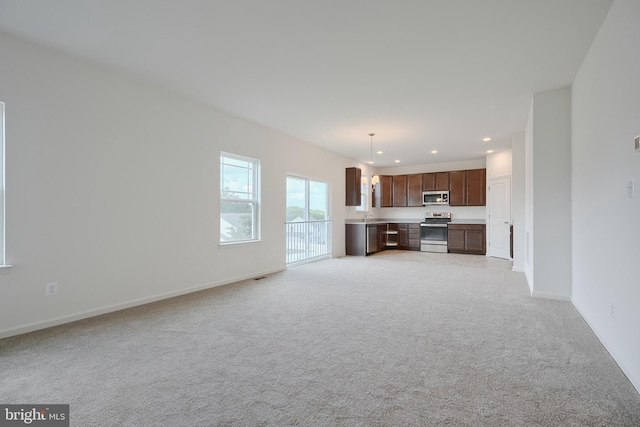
468	221
384	221
409	221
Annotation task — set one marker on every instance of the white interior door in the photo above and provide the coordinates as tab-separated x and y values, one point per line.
500	217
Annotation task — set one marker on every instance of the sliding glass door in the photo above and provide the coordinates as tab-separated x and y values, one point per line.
308	224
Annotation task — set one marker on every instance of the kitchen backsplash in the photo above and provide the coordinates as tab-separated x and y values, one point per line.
457	212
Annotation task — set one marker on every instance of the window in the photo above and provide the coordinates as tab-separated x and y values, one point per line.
308	224
2	227
239	198
364	195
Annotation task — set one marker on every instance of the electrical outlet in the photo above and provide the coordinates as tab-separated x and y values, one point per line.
51	288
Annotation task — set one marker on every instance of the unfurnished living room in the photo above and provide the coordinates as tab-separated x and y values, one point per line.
336	213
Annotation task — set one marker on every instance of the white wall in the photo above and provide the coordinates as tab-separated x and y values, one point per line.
528	187
549	167
112	190
518	202
499	164
606	118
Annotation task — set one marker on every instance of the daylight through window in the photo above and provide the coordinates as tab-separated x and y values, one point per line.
308	223
239	198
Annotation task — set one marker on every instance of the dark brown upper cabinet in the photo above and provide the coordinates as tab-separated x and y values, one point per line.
353	186
414	189
383	192
476	187
400	190
458	188
468	187
435	181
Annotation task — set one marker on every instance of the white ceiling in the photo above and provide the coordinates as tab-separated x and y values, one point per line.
421	74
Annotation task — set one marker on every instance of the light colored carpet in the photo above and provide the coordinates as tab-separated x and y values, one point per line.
395	339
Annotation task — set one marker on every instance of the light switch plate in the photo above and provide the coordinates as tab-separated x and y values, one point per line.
631	188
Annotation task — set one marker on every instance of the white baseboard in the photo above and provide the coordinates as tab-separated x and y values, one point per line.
635	381
550	296
35	326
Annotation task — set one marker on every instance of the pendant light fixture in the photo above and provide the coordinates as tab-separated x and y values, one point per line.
371	154
374	181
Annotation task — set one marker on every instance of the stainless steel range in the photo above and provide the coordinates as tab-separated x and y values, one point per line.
433	232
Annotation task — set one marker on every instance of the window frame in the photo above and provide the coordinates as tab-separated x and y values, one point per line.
3	260
306	229
250	197
365	195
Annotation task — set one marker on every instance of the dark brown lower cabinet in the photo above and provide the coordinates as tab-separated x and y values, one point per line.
356	239
467	239
374	242
409	237
403	236
364	239
414	237
382	236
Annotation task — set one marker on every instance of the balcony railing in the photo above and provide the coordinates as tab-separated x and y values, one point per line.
308	239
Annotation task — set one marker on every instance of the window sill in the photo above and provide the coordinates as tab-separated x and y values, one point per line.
241	242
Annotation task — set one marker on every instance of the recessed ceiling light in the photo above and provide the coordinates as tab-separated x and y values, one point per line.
371	162
489	151
434	151
397	161
379	152
487	139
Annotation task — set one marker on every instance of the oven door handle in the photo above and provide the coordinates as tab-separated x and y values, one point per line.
434	225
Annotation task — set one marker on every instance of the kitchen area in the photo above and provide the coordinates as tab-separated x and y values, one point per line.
441	212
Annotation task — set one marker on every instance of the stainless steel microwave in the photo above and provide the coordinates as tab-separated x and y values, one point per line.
435	198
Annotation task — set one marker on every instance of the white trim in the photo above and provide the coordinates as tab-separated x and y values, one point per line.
508	175
3	229
238	242
35	326
254	201
551	296
308	260
635	381
307	210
